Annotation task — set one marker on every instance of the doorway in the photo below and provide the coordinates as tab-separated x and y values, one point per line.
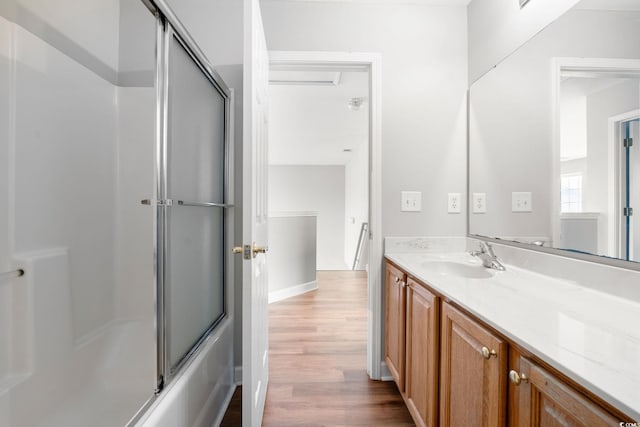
325	68
596	108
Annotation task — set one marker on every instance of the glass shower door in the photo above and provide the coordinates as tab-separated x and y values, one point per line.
195	196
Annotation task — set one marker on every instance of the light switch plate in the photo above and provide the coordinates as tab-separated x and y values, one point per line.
411	201
454	202
521	201
479	203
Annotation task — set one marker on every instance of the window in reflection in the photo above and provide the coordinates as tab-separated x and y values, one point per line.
571	193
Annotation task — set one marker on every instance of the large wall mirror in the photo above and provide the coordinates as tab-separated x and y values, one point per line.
554	149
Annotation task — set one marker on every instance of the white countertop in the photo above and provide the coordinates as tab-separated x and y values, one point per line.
591	336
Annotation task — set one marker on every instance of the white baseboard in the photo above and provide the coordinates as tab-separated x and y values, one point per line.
237	375
292	291
385	375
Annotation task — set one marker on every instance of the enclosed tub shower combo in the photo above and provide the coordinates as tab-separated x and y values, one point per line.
114	142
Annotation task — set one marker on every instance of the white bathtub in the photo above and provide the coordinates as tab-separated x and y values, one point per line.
48	378
103	382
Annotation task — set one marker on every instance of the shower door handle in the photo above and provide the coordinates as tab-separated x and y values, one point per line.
171	202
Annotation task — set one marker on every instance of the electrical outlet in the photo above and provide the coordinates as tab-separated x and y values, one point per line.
411	201
521	201
454	203
479	203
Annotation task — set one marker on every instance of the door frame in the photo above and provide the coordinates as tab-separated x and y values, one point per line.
373	61
615	187
558	65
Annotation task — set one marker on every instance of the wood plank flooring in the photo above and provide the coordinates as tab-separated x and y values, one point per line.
317	361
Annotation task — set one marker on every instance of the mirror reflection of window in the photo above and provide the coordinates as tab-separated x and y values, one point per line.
571	193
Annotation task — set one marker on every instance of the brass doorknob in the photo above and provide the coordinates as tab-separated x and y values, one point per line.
518	378
259	249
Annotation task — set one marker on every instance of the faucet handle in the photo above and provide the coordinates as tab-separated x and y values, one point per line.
486	248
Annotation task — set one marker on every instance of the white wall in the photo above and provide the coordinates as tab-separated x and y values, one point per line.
317	189
424	73
573	126
292	251
217	27
356	203
496	28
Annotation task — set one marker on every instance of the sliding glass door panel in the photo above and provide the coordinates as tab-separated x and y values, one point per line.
195	149
195	174
196	276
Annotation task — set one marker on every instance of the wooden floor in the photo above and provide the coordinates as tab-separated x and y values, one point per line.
317	361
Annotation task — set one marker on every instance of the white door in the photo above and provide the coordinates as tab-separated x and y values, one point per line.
255	331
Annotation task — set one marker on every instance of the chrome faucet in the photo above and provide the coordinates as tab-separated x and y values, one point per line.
488	257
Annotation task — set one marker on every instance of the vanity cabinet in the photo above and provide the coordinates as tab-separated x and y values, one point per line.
395	327
538	398
473	377
453	370
421	385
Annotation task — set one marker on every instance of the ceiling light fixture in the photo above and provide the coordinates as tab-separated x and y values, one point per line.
355	104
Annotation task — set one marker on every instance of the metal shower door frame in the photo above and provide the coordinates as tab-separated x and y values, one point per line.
169	27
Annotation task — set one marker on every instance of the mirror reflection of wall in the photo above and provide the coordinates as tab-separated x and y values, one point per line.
549	122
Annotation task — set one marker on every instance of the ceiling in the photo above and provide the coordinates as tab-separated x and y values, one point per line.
311	124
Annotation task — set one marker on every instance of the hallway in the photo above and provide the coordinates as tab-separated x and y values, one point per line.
318	360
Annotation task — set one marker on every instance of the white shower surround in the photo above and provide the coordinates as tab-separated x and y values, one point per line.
77	332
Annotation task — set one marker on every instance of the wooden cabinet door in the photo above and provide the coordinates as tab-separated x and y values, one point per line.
421	383
394	331
543	400
473	374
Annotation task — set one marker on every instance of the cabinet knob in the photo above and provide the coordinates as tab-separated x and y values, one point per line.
403	284
518	378
488	354
397	279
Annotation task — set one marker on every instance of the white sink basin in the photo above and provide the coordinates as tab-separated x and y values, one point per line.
452	268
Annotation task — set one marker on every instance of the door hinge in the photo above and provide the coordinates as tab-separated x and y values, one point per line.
627	211
627	142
